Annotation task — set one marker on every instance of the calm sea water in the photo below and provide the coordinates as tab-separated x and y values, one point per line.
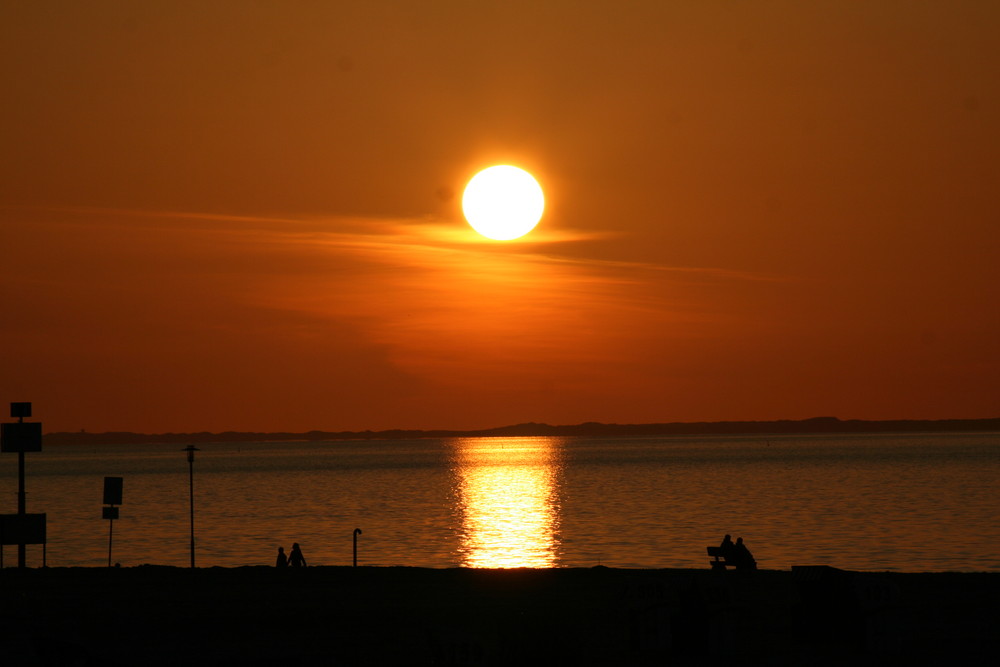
877	502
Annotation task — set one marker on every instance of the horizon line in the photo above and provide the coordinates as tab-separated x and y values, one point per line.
811	425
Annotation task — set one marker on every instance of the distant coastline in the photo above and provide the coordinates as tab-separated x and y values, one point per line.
815	425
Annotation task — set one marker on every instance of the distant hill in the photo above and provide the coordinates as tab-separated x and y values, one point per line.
780	427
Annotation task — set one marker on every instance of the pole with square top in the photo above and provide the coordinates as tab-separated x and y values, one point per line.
112	497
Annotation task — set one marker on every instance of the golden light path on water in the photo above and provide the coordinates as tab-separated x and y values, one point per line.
507	490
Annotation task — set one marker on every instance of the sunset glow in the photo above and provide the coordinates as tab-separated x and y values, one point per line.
497	317
507	494
733	212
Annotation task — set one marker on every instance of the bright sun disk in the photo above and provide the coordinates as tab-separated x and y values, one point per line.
503	202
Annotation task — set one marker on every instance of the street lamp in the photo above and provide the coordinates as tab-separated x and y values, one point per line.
191	449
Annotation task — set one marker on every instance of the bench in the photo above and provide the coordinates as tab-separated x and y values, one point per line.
732	557
720	556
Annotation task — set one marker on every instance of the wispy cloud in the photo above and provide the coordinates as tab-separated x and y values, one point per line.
442	302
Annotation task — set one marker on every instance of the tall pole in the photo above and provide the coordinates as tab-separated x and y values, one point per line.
21	438
191	494
191	449
22	507
22	504
111	532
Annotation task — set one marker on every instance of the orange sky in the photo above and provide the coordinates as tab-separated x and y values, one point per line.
234	215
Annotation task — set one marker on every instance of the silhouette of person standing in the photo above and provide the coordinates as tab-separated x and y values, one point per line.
282	558
296	559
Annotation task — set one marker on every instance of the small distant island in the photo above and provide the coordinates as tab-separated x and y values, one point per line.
815	425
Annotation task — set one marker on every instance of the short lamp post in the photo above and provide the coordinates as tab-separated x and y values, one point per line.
191	449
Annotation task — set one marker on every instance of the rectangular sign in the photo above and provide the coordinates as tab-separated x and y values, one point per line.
22	529
20	410
112	490
110	513
21	437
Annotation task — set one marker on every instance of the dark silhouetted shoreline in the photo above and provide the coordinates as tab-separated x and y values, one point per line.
814	426
152	615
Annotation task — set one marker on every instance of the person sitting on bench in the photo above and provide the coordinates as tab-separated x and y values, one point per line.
742	556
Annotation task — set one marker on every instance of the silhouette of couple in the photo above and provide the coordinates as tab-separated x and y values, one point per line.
296	559
737	553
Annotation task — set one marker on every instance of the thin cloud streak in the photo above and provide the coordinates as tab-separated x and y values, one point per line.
390	234
444	304
350	304
459	310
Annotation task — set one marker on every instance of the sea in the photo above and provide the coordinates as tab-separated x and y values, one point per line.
880	502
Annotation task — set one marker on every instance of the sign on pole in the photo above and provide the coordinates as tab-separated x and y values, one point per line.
113	490
21	437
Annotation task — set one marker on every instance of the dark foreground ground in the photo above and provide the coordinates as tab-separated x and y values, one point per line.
152	615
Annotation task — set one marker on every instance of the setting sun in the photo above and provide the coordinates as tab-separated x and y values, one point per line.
503	202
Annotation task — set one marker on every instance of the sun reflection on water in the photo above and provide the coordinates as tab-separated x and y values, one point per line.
507	493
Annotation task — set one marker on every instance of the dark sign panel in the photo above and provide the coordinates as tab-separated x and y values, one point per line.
22	529
21	437
20	410
112	490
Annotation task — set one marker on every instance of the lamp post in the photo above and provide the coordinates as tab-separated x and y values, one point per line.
357	531
191	449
